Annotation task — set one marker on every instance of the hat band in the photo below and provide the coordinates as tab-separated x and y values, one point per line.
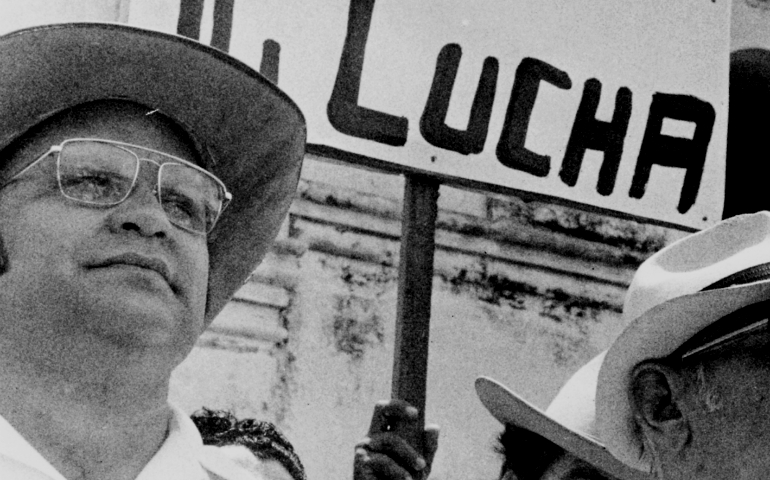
749	275
727	330
749	320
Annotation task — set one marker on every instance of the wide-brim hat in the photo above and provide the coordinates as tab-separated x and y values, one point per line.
675	294
569	421
252	133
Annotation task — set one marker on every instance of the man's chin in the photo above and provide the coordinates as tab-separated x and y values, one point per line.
142	322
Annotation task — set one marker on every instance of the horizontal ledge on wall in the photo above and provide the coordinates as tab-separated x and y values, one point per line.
232	343
263	294
496	282
501	230
631	236
249	320
349	200
289	246
264	335
340	233
278	271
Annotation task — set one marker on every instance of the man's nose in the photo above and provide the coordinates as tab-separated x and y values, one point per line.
142	212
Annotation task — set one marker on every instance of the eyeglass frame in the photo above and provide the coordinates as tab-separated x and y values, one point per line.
58	149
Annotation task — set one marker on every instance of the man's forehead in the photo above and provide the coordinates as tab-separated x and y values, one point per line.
123	121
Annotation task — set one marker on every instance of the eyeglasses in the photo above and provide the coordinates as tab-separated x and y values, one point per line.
104	172
748	322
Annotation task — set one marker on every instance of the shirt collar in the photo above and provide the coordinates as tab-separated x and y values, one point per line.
179	453
182	455
15	448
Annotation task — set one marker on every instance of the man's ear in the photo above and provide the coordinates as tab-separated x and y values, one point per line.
656	399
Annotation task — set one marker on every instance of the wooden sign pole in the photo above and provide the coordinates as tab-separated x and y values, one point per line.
415	283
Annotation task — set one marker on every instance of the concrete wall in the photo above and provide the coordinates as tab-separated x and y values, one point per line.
522	292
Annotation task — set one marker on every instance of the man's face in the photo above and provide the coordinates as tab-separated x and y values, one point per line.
728	409
66	282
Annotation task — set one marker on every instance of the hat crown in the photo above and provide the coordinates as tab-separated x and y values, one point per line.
697	261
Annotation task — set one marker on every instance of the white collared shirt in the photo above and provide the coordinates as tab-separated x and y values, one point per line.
182	456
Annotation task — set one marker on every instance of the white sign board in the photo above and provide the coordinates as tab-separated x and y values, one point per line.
615	104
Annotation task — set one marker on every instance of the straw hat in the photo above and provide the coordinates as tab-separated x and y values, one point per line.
676	293
569	421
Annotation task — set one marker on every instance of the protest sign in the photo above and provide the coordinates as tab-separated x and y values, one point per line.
616	105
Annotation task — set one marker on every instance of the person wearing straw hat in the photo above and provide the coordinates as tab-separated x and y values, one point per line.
560	443
143	176
684	392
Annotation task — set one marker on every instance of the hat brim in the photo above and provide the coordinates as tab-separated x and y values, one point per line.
509	408
654	335
252	132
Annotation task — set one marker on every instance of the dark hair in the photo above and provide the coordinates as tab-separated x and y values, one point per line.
221	428
528	455
525	452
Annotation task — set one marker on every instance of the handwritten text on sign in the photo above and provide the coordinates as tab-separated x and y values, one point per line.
615	104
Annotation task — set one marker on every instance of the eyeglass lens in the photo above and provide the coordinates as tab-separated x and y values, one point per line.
103	174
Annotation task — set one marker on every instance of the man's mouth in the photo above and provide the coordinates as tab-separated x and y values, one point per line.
138	260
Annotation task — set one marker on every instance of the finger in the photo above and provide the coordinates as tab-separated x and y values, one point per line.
398	449
390	414
430	442
378	466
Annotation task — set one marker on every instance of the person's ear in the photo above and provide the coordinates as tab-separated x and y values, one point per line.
657	392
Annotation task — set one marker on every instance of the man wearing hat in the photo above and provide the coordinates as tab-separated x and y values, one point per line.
143	176
562	442
558	444
684	392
